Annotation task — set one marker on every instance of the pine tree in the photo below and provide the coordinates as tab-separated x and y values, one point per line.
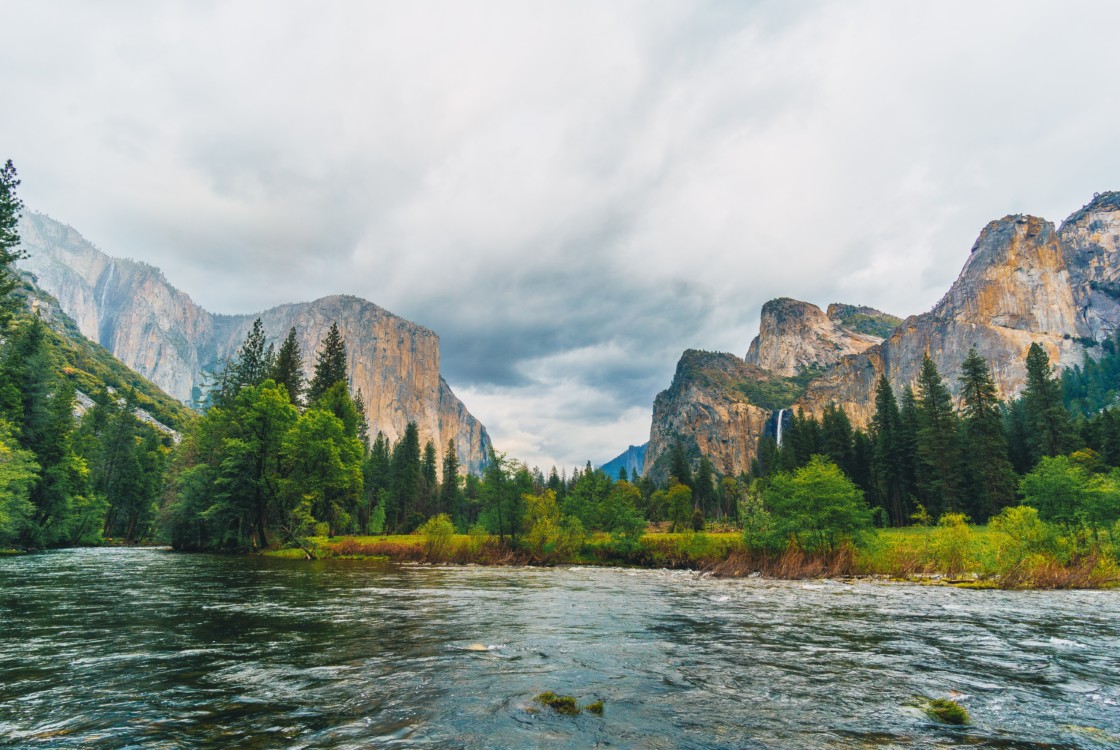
253	359
330	365
363	420
888	461
836	437
988	470
679	467
450	496
429	466
405	472
1050	432
939	454
10	208
287	370
704	489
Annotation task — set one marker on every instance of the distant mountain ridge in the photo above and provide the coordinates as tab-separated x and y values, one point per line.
633	460
1025	281
132	310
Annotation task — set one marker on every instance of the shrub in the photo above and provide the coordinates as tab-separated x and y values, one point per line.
951	544
437	532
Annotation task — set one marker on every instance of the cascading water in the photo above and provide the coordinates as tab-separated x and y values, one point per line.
781	417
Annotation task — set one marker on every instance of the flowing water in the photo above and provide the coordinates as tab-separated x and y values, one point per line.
116	648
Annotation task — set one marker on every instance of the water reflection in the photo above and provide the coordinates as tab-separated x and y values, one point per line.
146	648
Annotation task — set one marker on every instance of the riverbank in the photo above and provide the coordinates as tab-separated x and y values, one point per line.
963	556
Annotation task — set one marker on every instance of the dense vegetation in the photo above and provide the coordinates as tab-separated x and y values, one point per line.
67	480
275	462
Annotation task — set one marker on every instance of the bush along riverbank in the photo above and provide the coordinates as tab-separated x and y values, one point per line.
1015	551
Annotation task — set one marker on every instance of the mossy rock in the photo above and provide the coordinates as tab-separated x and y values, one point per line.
561	704
947	711
595	708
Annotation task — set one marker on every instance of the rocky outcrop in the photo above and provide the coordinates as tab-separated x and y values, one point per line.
1090	241
795	336
131	310
1015	289
706	409
1024	282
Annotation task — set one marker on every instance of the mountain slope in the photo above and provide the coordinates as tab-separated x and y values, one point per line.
1024	282
131	309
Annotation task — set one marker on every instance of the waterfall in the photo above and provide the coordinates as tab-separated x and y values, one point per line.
781	414
105	290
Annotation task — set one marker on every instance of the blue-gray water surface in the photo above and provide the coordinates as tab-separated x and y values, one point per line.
145	648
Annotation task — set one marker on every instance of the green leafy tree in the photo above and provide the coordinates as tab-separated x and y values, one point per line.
704	489
323	467
817	506
678	502
18	473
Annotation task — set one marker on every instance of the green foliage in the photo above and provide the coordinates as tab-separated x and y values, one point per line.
938	443
330	365
777	392
18	473
1095	384
549	535
1065	492
863	320
951	544
1049	431
437	532
287	368
989	475
816	506
1021	534
10	209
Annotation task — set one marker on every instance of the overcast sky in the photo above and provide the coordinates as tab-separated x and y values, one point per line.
568	193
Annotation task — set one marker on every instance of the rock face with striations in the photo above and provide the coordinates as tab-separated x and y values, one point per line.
1024	282
131	310
706	408
1015	290
794	336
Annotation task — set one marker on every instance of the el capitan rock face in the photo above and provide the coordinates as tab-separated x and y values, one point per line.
157	330
1024	282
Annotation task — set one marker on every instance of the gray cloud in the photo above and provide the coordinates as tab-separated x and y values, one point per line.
569	193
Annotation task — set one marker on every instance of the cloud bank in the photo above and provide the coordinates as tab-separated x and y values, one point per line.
570	193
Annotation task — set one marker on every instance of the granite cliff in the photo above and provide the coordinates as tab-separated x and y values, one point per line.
795	336
1024	282
134	312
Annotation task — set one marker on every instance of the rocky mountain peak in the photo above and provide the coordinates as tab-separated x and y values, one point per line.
157	330
796	336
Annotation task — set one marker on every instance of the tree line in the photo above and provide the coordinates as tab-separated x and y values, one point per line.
64	479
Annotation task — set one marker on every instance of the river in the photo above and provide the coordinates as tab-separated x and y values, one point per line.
146	648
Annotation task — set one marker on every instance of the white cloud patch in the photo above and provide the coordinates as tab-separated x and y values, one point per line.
569	193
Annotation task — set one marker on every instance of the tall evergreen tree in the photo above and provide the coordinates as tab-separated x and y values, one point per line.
450	496
836	437
679	467
704	488
991	479
10	208
1049	430
888	454
939	454
908	442
405	473
255	358
330	365
287	370
429	489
